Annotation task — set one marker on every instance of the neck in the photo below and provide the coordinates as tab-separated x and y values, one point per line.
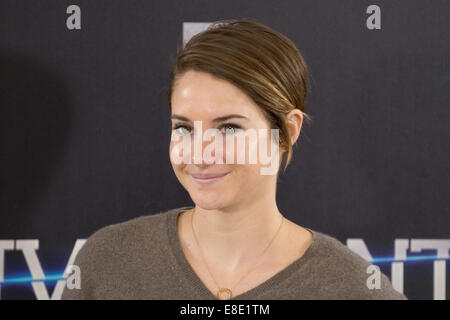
236	235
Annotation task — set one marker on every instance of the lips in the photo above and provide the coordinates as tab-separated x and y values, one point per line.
208	175
208	178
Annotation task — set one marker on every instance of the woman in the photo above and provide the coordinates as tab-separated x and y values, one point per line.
236	76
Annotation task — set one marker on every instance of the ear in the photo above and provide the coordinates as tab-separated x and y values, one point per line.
294	121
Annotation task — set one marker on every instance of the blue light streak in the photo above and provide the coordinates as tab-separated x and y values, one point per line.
408	259
53	277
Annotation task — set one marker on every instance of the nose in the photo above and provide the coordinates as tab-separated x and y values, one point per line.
207	147
200	158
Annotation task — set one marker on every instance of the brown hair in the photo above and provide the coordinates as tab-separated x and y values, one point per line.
258	60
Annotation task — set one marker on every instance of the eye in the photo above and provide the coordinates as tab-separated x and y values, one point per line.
230	128
181	129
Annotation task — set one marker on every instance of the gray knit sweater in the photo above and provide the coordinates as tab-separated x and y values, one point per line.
143	259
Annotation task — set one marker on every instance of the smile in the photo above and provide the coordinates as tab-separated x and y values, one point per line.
208	179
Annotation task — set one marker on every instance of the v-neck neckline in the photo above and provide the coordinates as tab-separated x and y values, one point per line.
197	283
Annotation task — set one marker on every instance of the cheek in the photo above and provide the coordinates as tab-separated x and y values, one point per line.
229	150
179	149
176	156
259	152
246	176
240	149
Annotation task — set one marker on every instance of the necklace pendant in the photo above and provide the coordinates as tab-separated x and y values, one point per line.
224	294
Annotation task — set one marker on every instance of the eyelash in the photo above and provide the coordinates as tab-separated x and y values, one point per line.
225	125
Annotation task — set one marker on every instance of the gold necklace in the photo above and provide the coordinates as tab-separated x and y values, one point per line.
228	290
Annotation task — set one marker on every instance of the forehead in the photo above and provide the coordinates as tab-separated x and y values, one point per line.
201	93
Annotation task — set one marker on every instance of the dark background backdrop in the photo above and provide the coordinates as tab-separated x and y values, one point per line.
85	126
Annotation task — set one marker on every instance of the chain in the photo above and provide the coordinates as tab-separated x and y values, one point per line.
207	267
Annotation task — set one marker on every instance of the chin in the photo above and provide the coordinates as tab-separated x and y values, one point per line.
212	196
209	199
208	202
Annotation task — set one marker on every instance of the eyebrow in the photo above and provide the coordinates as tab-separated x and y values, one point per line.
219	119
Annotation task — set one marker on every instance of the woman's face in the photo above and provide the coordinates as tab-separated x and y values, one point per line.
199	96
